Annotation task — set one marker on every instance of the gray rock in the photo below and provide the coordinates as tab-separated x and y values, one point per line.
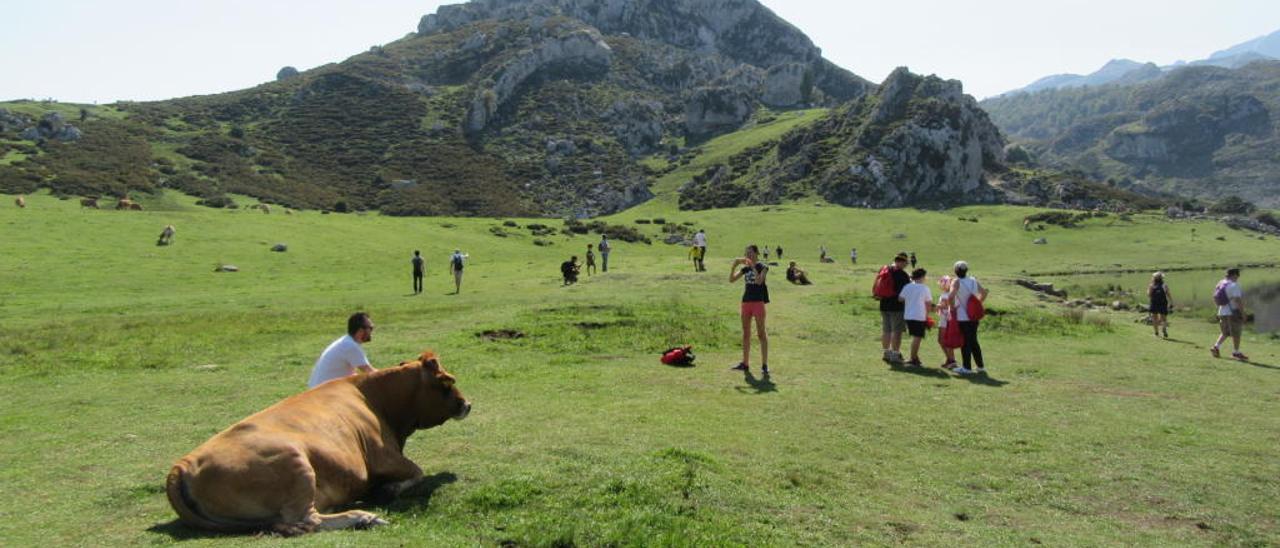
286	73
227	268
280	248
474	42
712	111
637	125
582	51
1040	241
787	85
12	121
403	184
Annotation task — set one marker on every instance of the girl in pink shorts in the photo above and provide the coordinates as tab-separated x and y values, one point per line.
754	297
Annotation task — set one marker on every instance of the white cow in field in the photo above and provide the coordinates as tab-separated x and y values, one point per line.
20	202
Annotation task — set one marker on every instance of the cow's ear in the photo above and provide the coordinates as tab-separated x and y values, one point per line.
447	380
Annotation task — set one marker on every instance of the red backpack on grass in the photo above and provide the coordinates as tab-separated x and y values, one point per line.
681	356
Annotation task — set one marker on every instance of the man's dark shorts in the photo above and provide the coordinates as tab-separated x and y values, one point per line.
915	328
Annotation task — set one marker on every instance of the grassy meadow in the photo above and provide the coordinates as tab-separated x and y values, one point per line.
118	357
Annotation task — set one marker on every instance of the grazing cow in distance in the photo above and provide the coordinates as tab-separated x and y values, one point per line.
288	211
265	208
166	235
135	206
20	202
91	203
315	452
124	203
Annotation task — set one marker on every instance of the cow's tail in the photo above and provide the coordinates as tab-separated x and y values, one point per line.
188	513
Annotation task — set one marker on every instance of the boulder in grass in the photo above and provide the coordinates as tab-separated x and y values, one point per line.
227	268
1040	241
280	248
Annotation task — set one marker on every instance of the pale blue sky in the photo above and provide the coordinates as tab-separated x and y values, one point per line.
87	51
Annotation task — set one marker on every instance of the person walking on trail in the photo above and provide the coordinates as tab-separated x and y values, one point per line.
591	259
944	317
766	254
779	252
1161	300
345	357
892	322
853	256
605	248
418	269
700	244
1230	300
965	289
755	296
456	262
913	260
917	301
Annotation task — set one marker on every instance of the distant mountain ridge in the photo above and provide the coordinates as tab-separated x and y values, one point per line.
1128	72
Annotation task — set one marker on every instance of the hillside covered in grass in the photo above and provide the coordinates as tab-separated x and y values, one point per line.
118	356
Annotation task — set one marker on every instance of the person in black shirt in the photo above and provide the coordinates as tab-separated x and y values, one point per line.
569	269
797	276
891	310
755	295
417	272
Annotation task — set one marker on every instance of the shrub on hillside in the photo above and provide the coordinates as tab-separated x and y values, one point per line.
219	201
1232	205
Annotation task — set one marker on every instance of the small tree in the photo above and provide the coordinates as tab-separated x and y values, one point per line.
1232	205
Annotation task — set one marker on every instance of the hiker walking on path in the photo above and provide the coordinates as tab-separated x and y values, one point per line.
968	297
418	266
1161	300
345	356
1230	300
755	295
917	301
779	250
888	287
591	259
944	318
700	243
853	256
605	248
455	266
913	260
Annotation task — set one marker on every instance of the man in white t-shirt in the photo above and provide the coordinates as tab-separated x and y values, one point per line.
700	242
1230	300
345	356
918	302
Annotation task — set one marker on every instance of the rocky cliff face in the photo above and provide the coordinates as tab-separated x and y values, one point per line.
916	141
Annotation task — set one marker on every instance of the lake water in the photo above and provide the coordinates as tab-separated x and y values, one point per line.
1191	288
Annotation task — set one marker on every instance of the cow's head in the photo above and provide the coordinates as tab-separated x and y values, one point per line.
439	399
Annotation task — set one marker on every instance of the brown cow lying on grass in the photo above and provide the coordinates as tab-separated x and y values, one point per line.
322	449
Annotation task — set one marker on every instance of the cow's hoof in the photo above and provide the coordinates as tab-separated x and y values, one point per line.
367	520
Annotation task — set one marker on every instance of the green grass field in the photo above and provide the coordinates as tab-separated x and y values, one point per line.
119	357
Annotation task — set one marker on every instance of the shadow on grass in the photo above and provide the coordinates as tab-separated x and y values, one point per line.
1262	365
762	385
921	371
414	498
984	379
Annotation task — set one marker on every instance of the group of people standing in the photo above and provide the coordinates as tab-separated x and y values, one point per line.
570	269
907	306
457	262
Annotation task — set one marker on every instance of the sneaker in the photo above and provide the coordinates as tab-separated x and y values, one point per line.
1166	333
1214	350
740	367
888	356
950	365
963	371
1240	356
764	369
915	363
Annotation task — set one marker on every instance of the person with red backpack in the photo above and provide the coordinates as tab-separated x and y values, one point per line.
1230	300
888	287
967	298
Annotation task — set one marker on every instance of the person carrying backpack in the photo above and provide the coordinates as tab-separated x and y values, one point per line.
455	266
967	298
1160	302
1230	300
888	287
